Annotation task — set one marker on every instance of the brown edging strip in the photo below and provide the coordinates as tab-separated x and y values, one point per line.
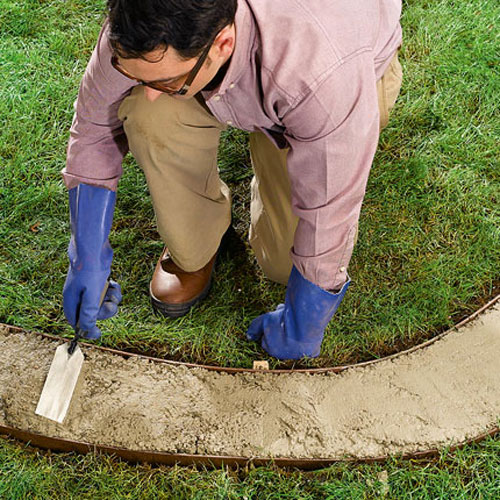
158	457
334	369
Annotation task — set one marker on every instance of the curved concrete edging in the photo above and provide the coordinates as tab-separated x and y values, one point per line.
283	438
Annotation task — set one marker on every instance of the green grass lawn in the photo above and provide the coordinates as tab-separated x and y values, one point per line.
469	474
428	250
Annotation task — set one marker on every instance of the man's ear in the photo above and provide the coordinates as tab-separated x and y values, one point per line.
224	42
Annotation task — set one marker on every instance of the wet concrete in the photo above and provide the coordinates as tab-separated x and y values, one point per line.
433	397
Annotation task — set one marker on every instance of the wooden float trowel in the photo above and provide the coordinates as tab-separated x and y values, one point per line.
63	376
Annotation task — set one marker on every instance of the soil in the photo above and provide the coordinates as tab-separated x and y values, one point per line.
440	395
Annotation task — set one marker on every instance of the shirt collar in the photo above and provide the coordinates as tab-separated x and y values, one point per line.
245	38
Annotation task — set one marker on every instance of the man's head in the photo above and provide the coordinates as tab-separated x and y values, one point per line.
162	40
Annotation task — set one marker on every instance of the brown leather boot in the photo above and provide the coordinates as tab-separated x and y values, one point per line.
174	291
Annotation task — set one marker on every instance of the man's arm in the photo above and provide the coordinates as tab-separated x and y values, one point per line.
98	143
95	152
333	134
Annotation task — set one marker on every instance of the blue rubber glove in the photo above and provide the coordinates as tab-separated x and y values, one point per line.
90	256
296	328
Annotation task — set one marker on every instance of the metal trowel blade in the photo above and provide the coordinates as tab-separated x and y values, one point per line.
60	384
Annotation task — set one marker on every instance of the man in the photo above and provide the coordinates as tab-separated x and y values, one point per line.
312	80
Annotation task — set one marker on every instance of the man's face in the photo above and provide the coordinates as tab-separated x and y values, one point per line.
169	69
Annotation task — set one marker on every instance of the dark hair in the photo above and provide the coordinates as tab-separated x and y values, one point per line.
141	26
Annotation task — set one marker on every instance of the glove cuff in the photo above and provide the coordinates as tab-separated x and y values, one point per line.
91	216
300	288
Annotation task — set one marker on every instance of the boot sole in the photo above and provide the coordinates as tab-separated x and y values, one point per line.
178	310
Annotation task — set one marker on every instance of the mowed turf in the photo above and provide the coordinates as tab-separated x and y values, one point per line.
427	255
428	247
27	473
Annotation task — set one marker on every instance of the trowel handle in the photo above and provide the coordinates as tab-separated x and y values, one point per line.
103	293
74	342
79	333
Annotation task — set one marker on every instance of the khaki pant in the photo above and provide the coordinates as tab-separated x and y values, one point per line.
175	142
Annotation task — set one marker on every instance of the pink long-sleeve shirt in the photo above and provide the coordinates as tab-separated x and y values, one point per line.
303	72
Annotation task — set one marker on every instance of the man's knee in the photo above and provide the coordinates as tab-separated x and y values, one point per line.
135	107
166	118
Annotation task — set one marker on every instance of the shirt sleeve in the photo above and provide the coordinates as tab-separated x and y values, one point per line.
97	141
333	133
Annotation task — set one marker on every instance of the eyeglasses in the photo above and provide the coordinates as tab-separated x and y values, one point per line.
162	87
